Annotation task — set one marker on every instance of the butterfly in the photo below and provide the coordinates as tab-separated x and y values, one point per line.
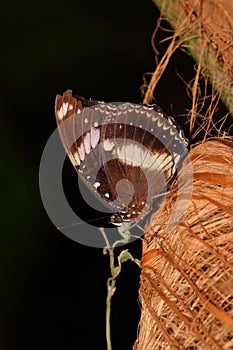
125	153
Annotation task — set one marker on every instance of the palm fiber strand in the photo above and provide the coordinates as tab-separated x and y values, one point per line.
186	287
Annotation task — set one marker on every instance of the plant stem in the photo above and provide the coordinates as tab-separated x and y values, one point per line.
110	289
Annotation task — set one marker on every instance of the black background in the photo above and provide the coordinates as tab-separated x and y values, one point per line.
53	289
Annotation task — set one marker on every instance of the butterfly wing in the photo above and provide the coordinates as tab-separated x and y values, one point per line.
125	153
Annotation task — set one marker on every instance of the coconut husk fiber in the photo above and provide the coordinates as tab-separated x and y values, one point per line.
186	282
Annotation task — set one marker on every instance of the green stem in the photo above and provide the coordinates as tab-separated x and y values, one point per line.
110	289
111	282
108	330
115	271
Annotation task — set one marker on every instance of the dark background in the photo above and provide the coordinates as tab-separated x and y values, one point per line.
53	289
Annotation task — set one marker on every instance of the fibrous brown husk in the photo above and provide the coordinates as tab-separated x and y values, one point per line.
186	289
206	29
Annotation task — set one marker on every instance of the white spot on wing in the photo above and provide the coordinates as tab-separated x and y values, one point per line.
97	184
134	154
95	136
65	108
60	114
108	145
87	143
76	157
81	152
